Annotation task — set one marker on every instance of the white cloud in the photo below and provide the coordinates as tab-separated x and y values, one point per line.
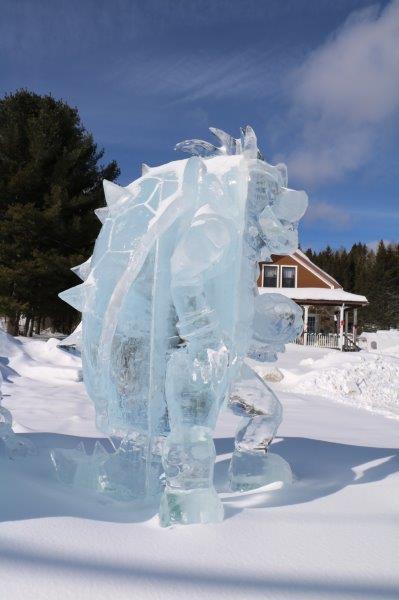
323	212
375	243
344	92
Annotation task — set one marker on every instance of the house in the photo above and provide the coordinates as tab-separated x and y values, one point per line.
329	312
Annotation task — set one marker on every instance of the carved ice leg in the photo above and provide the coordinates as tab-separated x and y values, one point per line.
194	396
189	496
197	374
252	465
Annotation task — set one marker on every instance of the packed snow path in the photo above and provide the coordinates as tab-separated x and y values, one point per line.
334	534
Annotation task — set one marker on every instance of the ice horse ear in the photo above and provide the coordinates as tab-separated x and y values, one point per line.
229	144
249	142
282	169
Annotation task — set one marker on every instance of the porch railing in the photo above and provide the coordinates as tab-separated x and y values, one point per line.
320	340
349	342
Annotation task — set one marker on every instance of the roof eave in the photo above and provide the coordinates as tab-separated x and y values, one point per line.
319	302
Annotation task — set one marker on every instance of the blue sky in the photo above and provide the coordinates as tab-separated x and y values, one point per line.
317	79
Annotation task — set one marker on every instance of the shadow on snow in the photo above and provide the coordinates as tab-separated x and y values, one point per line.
30	489
211	582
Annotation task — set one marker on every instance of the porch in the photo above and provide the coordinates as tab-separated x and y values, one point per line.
330	316
329	326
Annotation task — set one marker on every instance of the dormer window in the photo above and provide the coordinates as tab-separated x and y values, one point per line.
288	277
279	276
270	275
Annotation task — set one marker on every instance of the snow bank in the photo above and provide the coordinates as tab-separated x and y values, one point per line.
9	346
364	380
42	386
382	342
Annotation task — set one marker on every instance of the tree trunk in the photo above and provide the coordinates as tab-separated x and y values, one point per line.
30	332
26	326
13	324
38	324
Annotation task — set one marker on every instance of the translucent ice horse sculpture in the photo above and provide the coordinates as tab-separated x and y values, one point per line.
171	312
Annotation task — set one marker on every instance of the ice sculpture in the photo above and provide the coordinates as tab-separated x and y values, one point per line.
171	313
14	446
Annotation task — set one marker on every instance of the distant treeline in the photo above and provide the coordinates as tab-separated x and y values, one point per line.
372	273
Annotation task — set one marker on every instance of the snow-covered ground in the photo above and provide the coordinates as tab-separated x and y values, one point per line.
333	534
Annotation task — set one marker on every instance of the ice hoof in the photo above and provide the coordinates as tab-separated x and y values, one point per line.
14	445
118	475
189	507
250	470
75	467
18	448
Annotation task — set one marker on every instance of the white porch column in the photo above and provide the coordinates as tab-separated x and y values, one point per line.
305	324
354	327
341	326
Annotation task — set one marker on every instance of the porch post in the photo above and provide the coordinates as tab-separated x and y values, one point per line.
354	328
305	324
341	326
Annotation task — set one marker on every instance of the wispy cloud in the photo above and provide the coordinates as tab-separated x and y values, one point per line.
328	214
192	76
343	93
336	217
379	213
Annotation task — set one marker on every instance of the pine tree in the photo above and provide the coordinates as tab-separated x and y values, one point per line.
50	184
372	274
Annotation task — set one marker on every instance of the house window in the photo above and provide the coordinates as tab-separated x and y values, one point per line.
312	324
270	274
288	277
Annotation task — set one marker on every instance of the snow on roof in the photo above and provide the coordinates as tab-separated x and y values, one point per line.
317	294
